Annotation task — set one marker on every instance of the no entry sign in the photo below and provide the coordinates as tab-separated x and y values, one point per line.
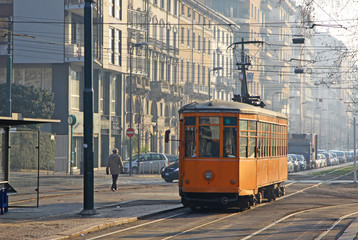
130	132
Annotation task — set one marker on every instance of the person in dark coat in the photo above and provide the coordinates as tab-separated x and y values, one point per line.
114	166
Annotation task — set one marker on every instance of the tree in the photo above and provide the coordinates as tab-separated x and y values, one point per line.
31	102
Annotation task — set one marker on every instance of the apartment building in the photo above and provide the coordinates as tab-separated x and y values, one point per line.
167	50
264	21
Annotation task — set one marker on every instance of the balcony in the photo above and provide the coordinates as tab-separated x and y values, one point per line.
220	83
136	20
159	89
74	52
198	88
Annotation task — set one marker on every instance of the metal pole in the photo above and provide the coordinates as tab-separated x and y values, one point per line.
71	157
88	177
130	109
209	90
38	168
8	109
355	158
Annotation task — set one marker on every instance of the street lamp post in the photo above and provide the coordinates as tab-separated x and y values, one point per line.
130	100
272	98
210	70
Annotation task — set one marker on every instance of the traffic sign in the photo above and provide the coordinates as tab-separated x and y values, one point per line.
130	132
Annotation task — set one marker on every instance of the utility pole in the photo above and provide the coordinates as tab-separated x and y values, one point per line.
88	177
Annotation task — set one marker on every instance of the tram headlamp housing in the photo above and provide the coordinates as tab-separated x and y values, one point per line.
208	175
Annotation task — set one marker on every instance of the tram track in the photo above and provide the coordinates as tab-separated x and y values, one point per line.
263	229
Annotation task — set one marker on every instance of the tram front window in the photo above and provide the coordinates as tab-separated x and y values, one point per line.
190	142
209	141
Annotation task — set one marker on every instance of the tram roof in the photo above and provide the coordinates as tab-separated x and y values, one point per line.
233	107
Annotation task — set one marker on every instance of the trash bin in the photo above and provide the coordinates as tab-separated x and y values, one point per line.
3	201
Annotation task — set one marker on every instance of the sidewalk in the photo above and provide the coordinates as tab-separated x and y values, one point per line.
58	214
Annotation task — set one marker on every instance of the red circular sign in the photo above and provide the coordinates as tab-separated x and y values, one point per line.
130	132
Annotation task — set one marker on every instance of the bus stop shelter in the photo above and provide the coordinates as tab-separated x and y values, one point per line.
5	125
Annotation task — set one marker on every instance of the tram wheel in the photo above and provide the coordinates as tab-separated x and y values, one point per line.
283	191
259	197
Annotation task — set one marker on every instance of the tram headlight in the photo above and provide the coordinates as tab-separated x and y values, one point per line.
208	175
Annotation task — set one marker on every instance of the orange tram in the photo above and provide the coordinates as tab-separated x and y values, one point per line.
231	154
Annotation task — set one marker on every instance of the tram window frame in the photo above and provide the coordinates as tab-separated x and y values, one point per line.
229	139
190	137
211	146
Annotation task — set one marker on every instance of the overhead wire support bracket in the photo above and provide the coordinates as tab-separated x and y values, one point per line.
243	66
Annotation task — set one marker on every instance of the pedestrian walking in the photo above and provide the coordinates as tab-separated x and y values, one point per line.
114	166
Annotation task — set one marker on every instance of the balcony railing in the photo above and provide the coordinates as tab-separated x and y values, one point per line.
138	64
73	51
136	19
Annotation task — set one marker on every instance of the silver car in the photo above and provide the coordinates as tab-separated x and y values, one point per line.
147	163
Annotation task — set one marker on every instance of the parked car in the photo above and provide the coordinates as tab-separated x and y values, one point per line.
322	160
294	160
329	158
349	156
171	172
290	167
172	157
302	162
341	156
335	157
147	163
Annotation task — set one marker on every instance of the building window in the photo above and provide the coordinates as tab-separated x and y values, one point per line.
182	9
203	74
204	43
175	40
162	4
193	72
111	8
119	47
182	35
193	40
209	47
111	45
175	7
199	67
182	70
75	89
189	12
113	94
199	43
156	2
188	71
168	73
101	92
119	9
162	70
155	70
188	37
169	5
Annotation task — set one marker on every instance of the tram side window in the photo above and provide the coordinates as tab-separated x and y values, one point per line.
209	137
243	138
229	137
